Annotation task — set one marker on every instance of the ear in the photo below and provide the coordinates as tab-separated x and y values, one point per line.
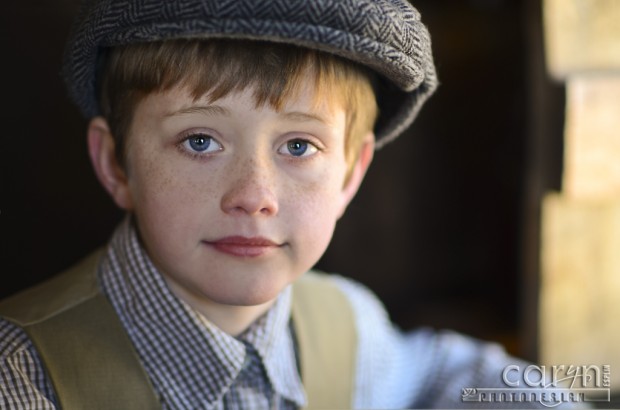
359	170
101	149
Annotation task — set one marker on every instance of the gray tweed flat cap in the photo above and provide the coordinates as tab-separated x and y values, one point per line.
384	35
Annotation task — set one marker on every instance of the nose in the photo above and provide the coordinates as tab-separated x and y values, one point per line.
251	191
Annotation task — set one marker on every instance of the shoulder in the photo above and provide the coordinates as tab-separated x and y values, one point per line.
357	295
420	368
367	310
335	292
55	295
23	379
383	363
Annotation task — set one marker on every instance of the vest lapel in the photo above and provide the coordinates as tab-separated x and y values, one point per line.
81	341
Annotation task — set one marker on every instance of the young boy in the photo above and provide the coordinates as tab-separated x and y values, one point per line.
234	134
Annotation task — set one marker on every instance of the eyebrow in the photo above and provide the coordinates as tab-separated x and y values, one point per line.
303	117
212	110
209	110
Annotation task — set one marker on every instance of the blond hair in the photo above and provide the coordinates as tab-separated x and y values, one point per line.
217	67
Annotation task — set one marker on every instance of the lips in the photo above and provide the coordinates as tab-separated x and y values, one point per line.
242	246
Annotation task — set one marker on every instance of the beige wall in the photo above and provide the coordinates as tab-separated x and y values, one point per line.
580	283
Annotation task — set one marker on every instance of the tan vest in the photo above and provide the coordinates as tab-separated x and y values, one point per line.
92	363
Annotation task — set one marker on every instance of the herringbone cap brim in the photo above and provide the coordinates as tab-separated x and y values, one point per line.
384	35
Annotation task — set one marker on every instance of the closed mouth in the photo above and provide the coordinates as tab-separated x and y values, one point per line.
242	246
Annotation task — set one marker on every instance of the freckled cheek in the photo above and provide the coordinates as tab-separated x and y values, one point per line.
313	213
166	191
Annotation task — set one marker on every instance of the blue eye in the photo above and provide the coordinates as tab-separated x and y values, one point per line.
201	143
298	148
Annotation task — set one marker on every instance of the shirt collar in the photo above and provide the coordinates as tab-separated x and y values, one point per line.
191	362
270	335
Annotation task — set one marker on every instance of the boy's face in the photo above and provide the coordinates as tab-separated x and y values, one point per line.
234	202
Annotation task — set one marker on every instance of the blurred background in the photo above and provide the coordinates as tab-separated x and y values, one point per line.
446	227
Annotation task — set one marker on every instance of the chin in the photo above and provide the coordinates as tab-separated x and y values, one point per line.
247	294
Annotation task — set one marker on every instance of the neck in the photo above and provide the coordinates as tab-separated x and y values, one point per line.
231	319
